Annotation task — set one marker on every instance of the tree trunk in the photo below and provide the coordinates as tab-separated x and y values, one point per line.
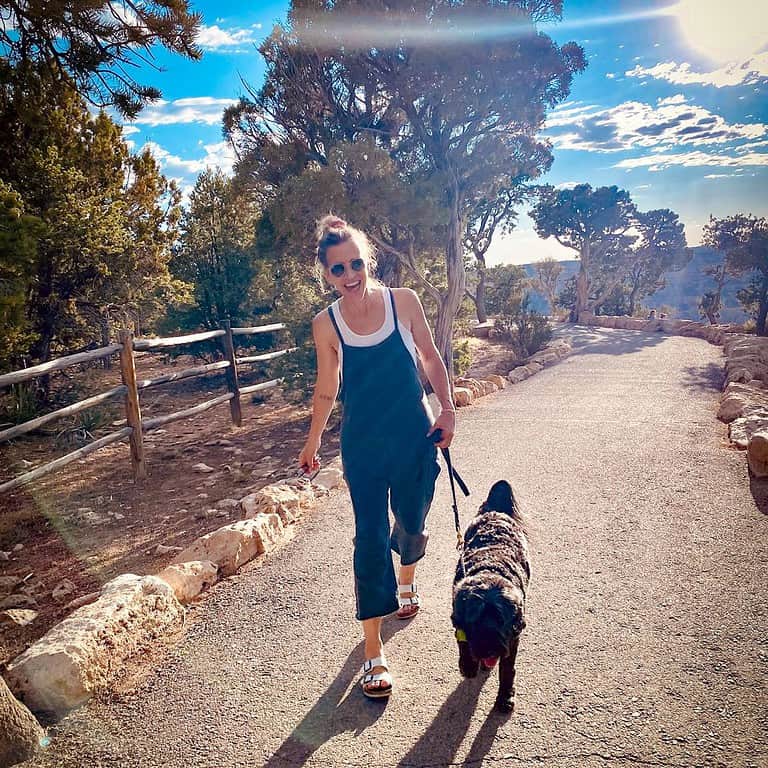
20	733
457	282
482	313
582	292
633	300
762	309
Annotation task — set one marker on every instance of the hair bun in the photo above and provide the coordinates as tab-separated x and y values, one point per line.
329	222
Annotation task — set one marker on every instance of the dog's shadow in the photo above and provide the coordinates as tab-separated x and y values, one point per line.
439	744
334	713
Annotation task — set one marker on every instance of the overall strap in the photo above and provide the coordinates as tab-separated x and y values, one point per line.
335	325
394	309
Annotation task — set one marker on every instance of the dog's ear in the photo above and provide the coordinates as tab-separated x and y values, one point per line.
500	498
514	600
468	607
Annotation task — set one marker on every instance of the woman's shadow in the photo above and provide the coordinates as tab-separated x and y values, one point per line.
334	713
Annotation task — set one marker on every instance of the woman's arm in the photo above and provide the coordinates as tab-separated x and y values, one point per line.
326	390
433	364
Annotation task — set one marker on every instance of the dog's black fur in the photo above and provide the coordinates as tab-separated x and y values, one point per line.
489	590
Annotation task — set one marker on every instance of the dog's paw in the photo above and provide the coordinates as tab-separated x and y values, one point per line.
505	703
468	669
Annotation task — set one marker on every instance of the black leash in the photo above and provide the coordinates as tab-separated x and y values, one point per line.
453	475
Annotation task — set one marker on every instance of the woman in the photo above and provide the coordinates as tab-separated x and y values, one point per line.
369	340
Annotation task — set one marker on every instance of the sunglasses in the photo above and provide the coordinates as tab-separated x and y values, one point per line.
337	270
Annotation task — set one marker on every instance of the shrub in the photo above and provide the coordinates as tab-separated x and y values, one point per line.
525	329
462	357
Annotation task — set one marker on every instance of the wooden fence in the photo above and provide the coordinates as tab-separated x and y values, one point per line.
129	391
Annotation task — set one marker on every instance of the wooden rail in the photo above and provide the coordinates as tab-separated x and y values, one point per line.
16	377
52	466
130	388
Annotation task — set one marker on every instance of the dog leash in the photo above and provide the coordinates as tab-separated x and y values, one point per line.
453	474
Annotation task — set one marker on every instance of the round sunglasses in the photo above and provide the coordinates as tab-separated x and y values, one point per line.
357	265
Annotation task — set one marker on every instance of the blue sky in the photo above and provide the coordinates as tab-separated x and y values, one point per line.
672	106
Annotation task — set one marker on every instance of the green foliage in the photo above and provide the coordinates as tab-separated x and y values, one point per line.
743	239
18	247
525	329
504	292
20	404
96	43
105	220
462	357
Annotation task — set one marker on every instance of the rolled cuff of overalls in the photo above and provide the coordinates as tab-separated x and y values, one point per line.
410	546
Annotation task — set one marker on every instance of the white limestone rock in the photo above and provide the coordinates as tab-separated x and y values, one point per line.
63	590
329	478
83	653
229	547
462	396
19	616
188	580
287	501
20	734
203	468
757	454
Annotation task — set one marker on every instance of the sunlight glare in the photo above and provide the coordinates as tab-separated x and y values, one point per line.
724	31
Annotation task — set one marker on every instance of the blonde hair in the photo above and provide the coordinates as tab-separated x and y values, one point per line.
332	230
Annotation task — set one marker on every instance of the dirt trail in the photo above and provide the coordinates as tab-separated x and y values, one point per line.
646	640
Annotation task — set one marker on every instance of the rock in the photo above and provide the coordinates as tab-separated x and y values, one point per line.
19	616
285	500
18	548
269	531
162	549
499	381
188	580
516	375
84	653
462	396
8	584
18	600
741	430
20	734
229	547
63	590
329	478
5	556
203	468
757	454
228	504
79	602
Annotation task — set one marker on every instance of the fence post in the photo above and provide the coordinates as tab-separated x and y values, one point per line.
232	382
132	408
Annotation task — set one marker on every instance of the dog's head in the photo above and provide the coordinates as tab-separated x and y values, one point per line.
488	613
501	499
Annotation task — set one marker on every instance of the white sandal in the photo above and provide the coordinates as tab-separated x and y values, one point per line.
414	601
368	677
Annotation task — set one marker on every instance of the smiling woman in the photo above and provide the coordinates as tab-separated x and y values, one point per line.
724	31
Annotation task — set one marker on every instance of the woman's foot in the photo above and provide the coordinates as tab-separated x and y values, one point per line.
409	601
376	680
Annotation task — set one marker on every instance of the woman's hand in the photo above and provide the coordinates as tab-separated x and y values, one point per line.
309	461
446	423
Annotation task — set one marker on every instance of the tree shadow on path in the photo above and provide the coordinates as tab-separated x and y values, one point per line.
759	489
439	744
608	341
334	713
706	377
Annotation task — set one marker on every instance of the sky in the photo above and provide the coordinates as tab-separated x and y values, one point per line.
672	106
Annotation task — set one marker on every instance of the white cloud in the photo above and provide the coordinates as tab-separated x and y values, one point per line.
745	72
660	162
634	124
130	129
722	175
198	109
218	155
214	37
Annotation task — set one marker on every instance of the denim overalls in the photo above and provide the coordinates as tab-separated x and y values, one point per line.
385	451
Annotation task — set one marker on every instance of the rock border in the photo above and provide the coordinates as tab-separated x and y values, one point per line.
467	390
83	654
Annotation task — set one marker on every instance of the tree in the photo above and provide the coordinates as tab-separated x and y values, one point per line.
548	273
459	113
488	215
594	223
660	248
711	302
18	246
743	239
95	44
106	219
507	285
216	253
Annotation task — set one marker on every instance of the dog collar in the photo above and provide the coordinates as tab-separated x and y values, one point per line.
461	636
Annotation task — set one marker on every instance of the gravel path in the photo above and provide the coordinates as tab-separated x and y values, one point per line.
647	638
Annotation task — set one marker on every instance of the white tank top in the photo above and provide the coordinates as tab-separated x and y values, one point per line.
370	339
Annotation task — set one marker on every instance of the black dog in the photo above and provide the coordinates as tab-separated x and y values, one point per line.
489	591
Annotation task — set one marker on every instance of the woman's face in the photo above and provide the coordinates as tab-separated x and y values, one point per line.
346	270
